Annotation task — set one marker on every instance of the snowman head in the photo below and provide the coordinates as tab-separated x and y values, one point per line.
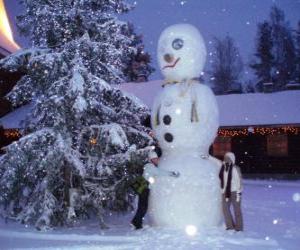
181	52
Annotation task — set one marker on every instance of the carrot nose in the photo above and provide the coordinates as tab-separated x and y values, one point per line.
168	58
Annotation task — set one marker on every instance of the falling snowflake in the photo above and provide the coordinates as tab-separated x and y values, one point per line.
296	197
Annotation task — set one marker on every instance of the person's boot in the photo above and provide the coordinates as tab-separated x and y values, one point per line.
136	224
137	227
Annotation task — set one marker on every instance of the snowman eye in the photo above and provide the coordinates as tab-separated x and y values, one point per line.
177	43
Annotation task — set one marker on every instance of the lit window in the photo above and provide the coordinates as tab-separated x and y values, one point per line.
277	145
221	146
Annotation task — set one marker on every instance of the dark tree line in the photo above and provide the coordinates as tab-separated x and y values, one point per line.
276	60
277	52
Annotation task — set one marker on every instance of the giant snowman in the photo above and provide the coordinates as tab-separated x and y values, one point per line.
185	120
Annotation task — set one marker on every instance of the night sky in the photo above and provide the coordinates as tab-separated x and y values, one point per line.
238	18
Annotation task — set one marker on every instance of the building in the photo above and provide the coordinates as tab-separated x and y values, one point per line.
7	79
262	129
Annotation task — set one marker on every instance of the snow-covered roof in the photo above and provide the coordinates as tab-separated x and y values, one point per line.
235	110
260	109
16	118
238	109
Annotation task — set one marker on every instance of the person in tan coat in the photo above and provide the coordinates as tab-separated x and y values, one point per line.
231	185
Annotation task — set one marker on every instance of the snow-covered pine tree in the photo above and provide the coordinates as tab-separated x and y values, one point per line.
84	138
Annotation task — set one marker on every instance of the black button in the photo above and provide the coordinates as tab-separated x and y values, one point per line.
168	137
167	119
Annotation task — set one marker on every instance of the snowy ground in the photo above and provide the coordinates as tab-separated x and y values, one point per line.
271	213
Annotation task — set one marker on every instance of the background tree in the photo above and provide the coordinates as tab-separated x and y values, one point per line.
227	65
139	68
84	137
264	58
283	49
297	40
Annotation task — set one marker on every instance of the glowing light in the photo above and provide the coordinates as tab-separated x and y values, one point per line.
178	111
251	130
151	180
275	222
191	230
93	141
12	133
5	29
296	197
267	238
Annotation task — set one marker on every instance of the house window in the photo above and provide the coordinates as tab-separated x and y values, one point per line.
277	145
221	146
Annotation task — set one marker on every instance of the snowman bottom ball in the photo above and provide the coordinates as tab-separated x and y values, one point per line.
194	198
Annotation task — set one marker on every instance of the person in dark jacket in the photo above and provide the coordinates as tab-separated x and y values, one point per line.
141	185
231	185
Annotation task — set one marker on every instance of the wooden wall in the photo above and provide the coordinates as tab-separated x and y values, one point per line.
253	157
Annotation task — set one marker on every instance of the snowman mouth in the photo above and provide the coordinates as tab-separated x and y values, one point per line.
172	65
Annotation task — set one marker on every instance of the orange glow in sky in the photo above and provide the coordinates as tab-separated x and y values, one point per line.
5	29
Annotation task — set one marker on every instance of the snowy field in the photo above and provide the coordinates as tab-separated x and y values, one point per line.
271	213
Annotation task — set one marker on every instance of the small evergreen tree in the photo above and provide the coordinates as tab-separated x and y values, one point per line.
84	137
227	65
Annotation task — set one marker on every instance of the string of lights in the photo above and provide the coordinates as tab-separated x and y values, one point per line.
12	133
228	132
259	131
